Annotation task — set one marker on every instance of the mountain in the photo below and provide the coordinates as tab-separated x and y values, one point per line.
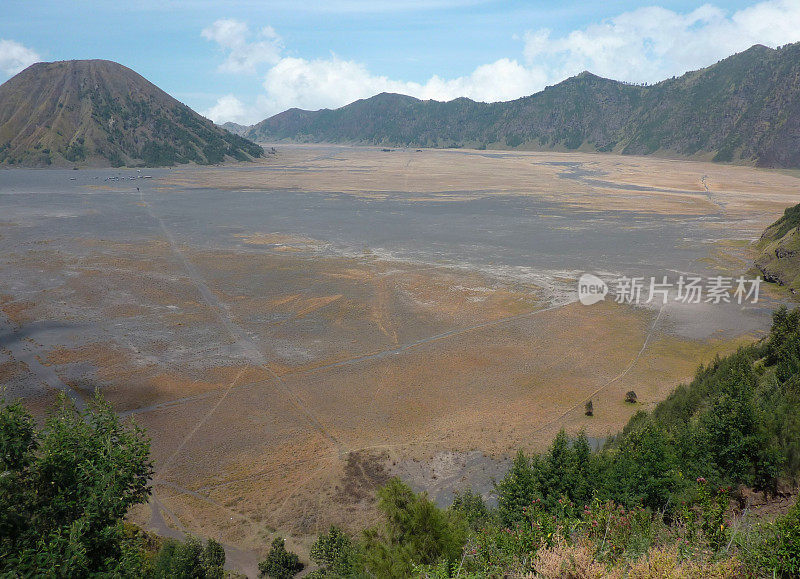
235	128
779	261
100	113
745	108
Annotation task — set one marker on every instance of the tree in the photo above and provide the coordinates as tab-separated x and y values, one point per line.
280	563
641	468
189	560
560	472
415	531
732	434
213	560
470	506
336	555
64	490
517	490
179	559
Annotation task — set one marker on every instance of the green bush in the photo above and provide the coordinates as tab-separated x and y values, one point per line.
780	552
336	555
65	489
471	507
75	152
280	563
189	560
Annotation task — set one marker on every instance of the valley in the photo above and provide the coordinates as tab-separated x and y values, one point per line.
293	331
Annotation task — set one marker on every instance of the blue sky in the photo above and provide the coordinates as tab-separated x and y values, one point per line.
245	60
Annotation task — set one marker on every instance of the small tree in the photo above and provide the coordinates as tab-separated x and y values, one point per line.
415	531
280	563
179	559
470	505
174	559
517	490
336	554
213	560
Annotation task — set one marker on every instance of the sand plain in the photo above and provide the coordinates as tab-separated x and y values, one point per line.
294	331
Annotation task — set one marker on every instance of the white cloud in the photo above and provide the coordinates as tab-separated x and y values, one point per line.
330	83
650	44
644	45
228	108
14	57
233	37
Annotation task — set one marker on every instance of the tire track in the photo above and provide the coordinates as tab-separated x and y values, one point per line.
616	378
243	341
24	350
354	360
165	467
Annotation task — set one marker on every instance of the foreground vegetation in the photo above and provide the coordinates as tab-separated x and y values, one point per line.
660	500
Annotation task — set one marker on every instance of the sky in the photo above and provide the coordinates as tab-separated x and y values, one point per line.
245	60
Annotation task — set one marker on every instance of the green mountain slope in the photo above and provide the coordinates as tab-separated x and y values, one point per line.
779	261
745	108
97	112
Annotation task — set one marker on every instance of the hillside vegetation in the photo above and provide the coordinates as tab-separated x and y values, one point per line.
100	113
745	108
779	261
666	498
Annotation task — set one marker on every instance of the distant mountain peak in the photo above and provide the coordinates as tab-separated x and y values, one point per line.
99	112
759	48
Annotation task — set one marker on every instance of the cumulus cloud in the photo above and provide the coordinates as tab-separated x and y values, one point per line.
330	83
228	108
14	57
333	82
643	45
652	43
244	54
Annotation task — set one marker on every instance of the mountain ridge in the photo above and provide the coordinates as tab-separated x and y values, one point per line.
745	109
101	113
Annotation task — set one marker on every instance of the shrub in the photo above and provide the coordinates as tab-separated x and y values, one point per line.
667	562
336	554
280	563
565	561
780	552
